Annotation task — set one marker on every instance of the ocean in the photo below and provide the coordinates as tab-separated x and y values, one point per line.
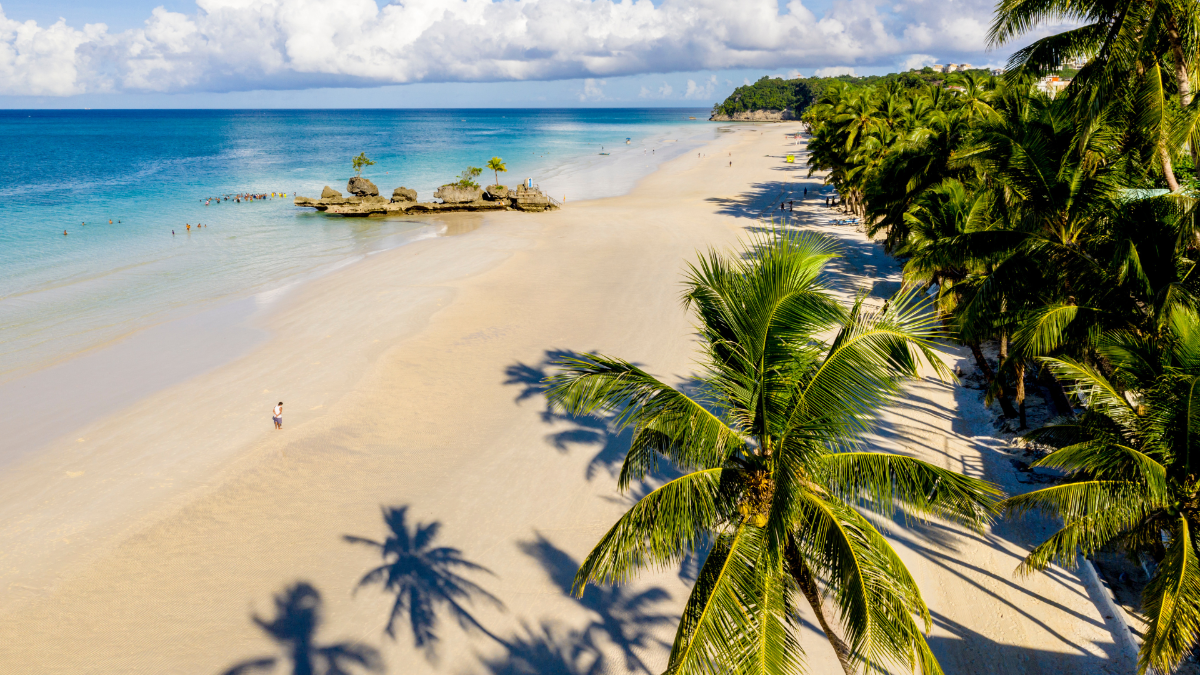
119	182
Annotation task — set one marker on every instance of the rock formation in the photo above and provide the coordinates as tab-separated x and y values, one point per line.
361	187
756	116
456	194
454	198
531	199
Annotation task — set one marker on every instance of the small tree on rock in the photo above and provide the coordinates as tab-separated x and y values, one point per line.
467	176
361	162
497	166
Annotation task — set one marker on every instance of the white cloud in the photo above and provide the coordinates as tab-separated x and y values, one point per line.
918	61
834	71
591	90
237	45
664	91
701	91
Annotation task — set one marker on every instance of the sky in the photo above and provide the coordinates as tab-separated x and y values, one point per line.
461	53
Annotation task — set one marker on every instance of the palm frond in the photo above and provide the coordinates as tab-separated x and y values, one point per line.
1172	603
672	520
884	481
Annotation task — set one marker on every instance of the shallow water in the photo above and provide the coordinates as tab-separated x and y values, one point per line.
150	172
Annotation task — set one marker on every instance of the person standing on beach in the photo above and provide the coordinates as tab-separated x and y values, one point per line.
277	415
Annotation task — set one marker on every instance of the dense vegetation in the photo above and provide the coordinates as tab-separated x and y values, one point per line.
1064	229
798	94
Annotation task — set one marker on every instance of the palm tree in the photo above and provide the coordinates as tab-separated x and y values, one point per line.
1128	44
423	579
497	166
297	618
772	468
1130	476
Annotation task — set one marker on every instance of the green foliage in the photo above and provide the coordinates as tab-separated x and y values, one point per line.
799	93
361	162
497	166
1041	223
772	475
466	178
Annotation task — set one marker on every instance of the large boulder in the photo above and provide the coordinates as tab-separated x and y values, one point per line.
362	187
495	193
330	193
457	194
403	194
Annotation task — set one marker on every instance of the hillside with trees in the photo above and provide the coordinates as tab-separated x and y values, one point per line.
777	98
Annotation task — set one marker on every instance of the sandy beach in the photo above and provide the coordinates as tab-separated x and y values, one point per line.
148	540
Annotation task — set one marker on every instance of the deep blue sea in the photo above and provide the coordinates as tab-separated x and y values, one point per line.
150	172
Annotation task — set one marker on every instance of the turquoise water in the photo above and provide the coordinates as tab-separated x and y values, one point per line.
149	172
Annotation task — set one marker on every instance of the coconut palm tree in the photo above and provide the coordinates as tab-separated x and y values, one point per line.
1132	462
294	627
773	468
497	166
1128	45
423	578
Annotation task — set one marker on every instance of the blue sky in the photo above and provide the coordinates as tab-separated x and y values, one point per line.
459	53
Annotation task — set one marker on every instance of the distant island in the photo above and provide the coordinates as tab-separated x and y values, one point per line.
774	98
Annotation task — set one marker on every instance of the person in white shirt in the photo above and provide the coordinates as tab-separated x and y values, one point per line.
277	415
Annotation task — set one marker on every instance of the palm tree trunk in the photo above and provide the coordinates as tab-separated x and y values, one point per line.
1020	368
1005	404
1169	173
808	586
1181	72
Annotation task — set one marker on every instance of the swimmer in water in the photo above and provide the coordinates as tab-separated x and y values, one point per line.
64	233
189	227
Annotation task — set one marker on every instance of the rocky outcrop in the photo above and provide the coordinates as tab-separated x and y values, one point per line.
361	187
530	199
457	194
756	116
404	201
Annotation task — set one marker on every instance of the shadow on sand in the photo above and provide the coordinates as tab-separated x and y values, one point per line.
425	579
591	430
294	629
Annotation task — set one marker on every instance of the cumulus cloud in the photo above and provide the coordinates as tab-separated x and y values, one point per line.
237	45
664	91
592	90
701	91
834	71
918	61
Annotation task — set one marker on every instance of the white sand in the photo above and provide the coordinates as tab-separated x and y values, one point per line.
143	543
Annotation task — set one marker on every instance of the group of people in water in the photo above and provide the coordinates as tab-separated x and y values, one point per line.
237	199
244	197
189	228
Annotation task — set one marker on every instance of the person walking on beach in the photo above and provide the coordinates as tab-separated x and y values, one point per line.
277	415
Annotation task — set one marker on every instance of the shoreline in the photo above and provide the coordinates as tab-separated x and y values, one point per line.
147	359
149	545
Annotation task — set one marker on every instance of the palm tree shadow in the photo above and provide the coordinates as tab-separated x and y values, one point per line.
294	628
623	618
590	430
546	650
425	579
